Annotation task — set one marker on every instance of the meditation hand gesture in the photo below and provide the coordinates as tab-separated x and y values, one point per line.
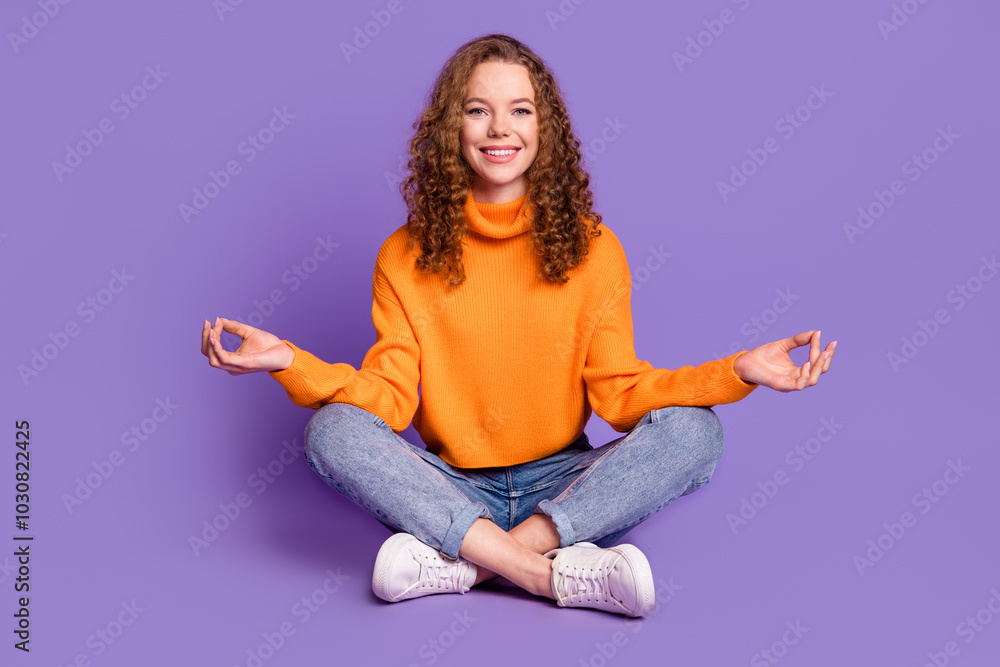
771	365
260	351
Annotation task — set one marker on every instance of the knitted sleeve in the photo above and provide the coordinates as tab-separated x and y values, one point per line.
385	384
621	388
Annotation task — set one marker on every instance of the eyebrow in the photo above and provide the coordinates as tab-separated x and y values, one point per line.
479	100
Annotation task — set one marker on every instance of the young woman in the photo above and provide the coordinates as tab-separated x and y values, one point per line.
506	302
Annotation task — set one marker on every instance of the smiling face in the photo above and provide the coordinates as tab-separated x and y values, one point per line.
499	133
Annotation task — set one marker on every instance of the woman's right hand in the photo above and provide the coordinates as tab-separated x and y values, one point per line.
259	351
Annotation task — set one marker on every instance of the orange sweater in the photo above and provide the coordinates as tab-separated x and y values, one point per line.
509	365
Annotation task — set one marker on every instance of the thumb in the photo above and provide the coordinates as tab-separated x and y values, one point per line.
798	340
234	327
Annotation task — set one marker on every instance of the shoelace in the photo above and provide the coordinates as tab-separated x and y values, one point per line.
578	583
437	575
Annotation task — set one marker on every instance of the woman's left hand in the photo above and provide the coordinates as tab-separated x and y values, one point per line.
771	365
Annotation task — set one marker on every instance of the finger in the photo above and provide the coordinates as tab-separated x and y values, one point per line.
798	340
803	378
825	362
235	327
209	351
814	349
831	349
224	357
204	337
213	357
217	330
817	370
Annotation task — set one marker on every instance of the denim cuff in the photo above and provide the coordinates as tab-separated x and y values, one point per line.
567	536
452	541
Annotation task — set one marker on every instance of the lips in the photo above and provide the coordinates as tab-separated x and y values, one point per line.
510	153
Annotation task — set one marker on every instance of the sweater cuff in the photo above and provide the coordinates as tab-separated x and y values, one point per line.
293	378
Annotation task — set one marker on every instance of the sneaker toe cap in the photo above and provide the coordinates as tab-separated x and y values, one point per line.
631	582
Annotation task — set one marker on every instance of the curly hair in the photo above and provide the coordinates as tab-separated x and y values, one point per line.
438	184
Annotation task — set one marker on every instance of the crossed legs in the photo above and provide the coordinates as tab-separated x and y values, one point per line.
515	555
670	453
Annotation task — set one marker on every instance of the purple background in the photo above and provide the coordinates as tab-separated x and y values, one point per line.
679	131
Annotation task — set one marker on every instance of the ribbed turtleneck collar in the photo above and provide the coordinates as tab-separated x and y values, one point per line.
498	221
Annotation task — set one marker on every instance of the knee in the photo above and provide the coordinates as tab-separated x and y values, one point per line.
696	428
330	431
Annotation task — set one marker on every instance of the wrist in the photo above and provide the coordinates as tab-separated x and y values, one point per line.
287	357
281	357
739	367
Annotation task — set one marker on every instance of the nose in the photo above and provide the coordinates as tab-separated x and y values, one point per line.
498	126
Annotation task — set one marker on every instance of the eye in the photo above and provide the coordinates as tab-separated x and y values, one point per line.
472	111
527	112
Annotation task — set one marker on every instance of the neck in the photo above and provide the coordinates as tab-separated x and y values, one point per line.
498	194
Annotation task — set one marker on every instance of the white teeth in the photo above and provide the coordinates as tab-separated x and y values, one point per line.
500	153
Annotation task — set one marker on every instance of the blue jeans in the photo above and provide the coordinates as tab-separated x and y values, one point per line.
592	495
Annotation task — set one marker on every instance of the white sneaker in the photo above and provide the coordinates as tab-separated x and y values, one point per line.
617	579
407	568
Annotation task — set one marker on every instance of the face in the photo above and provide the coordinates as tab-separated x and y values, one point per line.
499	131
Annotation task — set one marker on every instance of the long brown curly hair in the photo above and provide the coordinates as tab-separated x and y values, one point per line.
438	184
